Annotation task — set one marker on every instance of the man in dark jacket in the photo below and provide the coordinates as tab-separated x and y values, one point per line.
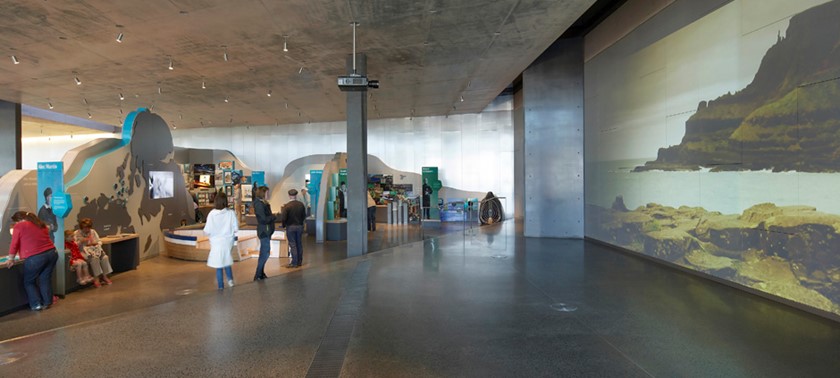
293	216
265	228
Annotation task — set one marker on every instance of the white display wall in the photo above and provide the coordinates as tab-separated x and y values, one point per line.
38	149
473	152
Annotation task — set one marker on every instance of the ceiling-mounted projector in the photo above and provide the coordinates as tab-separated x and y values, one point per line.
356	83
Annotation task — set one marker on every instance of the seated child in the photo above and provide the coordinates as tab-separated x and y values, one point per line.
77	261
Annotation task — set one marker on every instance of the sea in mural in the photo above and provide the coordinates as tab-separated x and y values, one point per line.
748	192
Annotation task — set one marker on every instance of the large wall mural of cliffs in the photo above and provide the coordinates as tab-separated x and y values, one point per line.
721	151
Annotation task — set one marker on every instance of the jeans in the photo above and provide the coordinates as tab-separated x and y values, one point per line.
39	268
293	235
265	250
220	277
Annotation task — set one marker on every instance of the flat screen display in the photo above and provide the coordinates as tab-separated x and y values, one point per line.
161	184
204	175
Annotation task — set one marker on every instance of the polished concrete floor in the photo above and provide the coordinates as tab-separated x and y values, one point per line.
479	302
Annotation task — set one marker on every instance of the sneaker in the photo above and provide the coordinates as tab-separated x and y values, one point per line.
37	308
230	283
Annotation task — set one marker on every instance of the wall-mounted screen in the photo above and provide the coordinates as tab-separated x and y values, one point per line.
204	175
161	184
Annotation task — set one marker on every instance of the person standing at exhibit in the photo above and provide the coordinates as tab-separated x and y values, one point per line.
304	197
31	242
293	216
221	227
371	213
342	200
46	214
265	228
89	243
427	198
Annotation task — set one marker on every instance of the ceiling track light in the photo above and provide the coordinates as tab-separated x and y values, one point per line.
76	79
171	67
285	45
49	103
226	54
119	38
227	99
203	85
462	98
84	100
300	70
15	60
121	96
269	93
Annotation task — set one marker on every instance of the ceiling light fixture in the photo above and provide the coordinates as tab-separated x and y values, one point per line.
269	93
15	60
300	70
226	55
171	67
84	100
462	98
121	96
119	38
49	103
227	99
285	45
89	116
159	91
203	86
76	79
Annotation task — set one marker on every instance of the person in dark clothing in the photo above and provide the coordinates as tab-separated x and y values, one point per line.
427	195
342	204
265	228
293	216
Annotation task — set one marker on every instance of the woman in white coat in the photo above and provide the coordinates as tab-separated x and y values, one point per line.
221	227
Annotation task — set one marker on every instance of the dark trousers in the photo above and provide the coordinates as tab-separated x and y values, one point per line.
265	250
37	278
293	237
372	218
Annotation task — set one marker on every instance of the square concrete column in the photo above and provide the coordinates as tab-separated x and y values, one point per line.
10	121
357	162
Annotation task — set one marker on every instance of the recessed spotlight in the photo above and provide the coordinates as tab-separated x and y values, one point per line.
15	60
76	79
119	38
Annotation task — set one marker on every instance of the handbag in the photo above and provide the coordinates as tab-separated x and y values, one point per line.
94	251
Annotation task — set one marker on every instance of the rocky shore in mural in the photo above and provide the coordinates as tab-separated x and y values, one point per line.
791	252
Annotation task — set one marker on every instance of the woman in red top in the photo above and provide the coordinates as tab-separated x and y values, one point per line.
31	240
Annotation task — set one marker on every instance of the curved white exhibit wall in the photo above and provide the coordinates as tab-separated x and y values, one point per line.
474	152
53	148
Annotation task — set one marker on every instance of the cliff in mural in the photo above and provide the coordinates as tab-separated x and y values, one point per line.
789	252
786	119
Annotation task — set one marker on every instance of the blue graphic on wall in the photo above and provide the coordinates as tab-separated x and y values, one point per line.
314	187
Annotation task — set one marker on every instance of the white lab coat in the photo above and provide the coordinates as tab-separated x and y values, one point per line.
221	227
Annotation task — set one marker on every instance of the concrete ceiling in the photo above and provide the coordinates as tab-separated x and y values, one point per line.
427	55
